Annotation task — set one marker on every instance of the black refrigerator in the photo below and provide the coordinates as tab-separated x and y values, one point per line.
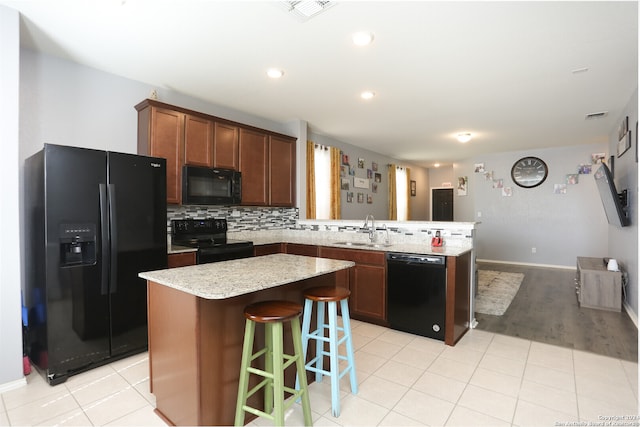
94	220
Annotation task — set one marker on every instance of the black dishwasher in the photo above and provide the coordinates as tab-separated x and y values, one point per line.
416	293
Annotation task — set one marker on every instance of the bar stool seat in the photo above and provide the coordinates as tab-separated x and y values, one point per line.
272	314
330	296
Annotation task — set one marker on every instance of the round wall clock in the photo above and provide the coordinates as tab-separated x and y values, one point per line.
529	172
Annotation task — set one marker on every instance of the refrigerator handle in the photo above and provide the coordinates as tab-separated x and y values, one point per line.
113	285
104	239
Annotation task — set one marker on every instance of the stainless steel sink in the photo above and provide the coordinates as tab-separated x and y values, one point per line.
379	245
365	244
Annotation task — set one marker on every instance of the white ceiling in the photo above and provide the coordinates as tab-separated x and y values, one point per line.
500	70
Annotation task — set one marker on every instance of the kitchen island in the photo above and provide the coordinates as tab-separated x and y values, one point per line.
196	328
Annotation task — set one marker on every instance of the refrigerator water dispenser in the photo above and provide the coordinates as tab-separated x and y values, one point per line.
77	244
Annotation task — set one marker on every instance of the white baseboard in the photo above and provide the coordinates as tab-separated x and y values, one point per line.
528	264
13	385
633	316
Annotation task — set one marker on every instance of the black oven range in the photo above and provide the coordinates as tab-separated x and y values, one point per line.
210	237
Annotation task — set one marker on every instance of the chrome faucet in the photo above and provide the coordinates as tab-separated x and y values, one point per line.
384	226
372	230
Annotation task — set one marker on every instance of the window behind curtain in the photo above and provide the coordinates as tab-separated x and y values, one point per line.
322	159
401	194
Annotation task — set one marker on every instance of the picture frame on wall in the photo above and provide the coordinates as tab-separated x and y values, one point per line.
413	188
623	128
360	182
624	144
344	183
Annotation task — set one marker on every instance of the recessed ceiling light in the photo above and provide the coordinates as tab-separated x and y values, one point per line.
464	137
367	94
362	38
275	73
436	165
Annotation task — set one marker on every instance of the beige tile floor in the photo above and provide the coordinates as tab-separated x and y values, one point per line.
404	380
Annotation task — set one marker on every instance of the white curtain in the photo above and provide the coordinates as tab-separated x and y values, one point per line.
401	194
322	158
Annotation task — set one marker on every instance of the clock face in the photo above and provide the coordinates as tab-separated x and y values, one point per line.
529	172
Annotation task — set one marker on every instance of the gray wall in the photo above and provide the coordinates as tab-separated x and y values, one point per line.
623	242
560	226
420	204
380	206
69	104
10	253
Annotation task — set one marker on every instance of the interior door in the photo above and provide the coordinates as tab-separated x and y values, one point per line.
442	204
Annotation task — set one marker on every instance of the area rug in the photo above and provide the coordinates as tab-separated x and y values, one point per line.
496	290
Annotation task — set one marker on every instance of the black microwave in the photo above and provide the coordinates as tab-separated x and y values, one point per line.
206	186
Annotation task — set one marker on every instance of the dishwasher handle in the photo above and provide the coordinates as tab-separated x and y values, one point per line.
416	258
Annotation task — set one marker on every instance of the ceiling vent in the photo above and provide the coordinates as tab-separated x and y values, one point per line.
305	10
597	115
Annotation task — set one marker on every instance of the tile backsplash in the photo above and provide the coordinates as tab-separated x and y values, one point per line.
239	218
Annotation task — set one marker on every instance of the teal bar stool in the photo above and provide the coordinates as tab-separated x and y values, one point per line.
272	314
329	333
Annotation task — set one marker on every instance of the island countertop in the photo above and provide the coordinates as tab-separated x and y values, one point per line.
226	279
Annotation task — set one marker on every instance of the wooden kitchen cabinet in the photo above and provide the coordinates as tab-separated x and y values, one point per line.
268	249
367	282
268	169
198	141
184	137
300	249
254	160
181	259
458	310
282	171
226	139
161	134
596	286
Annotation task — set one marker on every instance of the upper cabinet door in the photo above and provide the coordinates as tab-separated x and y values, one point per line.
254	157
282	171
198	141
166	139
225	146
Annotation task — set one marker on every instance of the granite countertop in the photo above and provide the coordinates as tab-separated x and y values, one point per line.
226	279
412	248
347	241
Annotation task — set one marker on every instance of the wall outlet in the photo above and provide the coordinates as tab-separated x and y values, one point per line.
479	214
533	250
